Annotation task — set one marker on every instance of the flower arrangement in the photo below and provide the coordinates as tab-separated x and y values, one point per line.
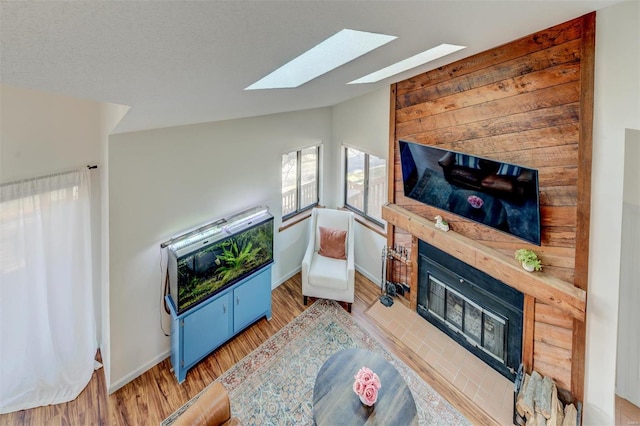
366	386
475	201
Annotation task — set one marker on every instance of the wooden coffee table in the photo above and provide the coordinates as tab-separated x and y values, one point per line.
335	403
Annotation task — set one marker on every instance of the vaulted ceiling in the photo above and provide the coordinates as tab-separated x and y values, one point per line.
184	62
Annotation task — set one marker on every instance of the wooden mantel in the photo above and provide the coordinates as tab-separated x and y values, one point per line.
541	286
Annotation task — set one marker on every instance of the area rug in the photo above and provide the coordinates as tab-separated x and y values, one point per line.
273	385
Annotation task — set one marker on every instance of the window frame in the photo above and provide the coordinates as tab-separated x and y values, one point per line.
298	152
365	201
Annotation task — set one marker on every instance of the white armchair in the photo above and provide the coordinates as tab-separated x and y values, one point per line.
328	277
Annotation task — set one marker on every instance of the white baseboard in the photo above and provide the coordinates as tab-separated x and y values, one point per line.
138	372
375	280
153	362
113	387
286	277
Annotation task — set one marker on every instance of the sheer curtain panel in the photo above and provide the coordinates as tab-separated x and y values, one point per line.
47	324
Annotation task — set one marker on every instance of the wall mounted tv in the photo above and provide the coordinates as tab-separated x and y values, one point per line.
500	195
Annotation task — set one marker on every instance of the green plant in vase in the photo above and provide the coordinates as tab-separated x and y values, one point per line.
529	260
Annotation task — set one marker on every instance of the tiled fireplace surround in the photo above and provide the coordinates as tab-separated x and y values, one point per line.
479	382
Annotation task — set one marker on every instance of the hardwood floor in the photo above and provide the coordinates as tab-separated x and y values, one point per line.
156	394
153	396
627	414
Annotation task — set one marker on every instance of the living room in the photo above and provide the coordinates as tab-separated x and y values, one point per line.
149	196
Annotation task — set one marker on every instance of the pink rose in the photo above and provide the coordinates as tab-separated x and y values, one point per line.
358	387
475	201
366	375
376	381
370	395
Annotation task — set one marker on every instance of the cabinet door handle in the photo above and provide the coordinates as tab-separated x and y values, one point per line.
237	300
224	308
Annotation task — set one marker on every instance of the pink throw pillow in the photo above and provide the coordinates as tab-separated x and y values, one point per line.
332	243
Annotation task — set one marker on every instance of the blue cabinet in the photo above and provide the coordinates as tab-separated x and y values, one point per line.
249	301
202	329
206	328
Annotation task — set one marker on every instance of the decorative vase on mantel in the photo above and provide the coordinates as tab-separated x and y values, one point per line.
528	267
528	259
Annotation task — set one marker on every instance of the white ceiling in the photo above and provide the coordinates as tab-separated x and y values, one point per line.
183	62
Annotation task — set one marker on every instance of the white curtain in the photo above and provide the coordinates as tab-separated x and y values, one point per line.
47	323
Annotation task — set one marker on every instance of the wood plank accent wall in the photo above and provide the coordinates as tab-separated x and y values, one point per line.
528	102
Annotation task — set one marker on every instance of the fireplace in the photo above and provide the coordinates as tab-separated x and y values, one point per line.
479	312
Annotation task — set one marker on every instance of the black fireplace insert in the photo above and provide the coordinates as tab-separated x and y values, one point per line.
479	312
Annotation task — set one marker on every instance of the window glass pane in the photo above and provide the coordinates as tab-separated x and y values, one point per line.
289	179
355	179
473	322
377	192
494	336
436	297
454	309
309	179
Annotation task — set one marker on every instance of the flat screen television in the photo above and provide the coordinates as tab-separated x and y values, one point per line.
500	195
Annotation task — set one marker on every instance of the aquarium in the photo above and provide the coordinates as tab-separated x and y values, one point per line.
208	260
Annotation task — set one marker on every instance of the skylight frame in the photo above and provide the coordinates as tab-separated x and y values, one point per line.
335	51
414	61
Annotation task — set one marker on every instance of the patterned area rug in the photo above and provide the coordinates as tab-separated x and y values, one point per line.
273	385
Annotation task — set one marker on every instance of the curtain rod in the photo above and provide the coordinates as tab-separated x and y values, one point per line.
89	166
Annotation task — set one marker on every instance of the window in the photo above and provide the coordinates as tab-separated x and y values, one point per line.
300	171
365	178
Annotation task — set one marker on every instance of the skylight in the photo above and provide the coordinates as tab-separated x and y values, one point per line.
412	62
342	47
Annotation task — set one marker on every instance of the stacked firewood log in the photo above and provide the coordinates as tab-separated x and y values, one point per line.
537	402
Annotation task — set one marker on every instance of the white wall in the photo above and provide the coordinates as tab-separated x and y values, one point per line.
166	181
362	123
616	108
628	361
111	116
44	133
631	190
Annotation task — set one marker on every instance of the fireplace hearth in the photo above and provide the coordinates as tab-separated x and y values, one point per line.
479	312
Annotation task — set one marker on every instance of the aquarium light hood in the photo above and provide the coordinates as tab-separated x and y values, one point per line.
220	227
